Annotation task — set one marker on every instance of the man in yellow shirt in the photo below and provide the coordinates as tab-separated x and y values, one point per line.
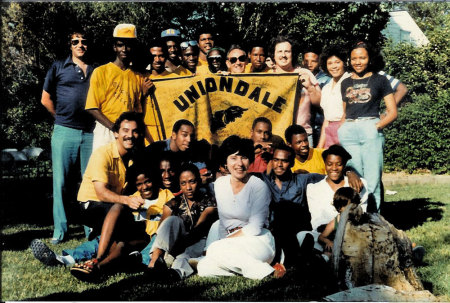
306	158
257	57
205	43
171	38
114	87
104	180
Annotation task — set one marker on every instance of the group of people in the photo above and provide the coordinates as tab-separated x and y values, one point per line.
251	206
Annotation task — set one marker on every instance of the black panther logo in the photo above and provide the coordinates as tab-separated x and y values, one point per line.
223	117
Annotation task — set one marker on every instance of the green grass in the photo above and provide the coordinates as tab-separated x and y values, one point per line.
423	211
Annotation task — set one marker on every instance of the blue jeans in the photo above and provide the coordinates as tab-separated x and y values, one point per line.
85	251
365	144
69	146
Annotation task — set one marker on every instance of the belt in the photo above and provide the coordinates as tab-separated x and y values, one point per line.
360	119
232	230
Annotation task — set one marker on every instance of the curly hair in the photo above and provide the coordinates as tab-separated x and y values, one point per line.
333	51
376	62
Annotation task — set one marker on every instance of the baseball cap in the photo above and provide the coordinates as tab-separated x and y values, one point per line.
170	32
125	30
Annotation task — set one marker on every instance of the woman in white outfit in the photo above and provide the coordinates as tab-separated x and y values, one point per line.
333	62
246	246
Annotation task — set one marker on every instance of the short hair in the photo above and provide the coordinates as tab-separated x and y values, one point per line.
294	47
338	151
312	48
192	168
293	129
204	30
288	149
233	144
130	116
79	32
235	46
261	120
159	43
376	62
328	52
176	127
345	196
257	43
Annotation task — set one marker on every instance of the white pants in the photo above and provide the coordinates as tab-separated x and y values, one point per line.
102	136
168	232
249	256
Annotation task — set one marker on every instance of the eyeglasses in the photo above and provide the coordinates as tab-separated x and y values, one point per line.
212	58
186	44
76	41
233	60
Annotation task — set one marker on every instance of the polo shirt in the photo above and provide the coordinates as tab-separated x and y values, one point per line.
105	165
68	87
313	164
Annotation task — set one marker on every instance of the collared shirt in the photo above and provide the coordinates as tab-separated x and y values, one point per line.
293	189
68	86
106	166
322	78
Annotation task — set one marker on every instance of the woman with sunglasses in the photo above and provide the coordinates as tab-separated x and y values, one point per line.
361	132
246	246
333	61
216	60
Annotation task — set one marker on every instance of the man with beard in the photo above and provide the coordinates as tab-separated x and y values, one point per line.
172	39
115	88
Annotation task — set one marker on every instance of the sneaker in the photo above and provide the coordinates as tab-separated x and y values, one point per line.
43	253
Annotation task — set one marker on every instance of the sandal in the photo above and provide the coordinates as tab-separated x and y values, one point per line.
87	271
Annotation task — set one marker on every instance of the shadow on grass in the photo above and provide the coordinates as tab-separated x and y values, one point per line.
304	284
411	213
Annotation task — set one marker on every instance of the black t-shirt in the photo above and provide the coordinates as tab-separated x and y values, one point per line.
363	96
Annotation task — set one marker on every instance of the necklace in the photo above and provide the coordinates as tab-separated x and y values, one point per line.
362	84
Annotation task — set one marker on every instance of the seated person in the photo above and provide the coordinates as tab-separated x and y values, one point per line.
343	197
184	225
261	136
307	159
146	190
245	247
320	195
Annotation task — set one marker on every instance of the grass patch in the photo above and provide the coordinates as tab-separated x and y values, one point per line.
422	210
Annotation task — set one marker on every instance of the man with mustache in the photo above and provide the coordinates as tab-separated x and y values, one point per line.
115	88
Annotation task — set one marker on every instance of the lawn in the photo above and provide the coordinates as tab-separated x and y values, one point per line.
422	210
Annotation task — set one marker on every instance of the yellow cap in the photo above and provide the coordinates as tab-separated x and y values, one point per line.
125	31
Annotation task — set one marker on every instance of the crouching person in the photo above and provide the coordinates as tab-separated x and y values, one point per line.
184	225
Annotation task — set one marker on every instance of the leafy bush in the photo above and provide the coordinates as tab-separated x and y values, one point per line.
420	138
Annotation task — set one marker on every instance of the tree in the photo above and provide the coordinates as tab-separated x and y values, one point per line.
35	34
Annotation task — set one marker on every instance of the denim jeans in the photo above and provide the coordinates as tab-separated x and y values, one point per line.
69	147
85	251
365	144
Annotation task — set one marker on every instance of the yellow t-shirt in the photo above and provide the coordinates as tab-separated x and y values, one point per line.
114	91
105	165
202	69
164	196
182	71
248	69
201	62
314	163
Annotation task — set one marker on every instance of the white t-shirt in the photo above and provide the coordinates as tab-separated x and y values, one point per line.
249	209
320	201
331	100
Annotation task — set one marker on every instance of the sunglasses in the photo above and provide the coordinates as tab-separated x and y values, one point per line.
186	44
212	58
233	60
76	41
